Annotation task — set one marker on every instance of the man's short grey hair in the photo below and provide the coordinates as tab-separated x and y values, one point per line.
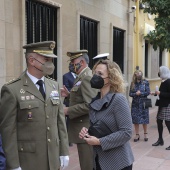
27	55
86	58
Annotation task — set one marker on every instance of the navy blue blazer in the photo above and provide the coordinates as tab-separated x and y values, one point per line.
2	157
68	81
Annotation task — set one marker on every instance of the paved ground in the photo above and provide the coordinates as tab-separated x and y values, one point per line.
146	156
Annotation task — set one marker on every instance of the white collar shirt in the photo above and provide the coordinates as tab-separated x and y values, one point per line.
34	80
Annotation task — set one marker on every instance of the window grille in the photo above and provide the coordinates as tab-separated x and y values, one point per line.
160	57
118	47
41	25
146	58
88	37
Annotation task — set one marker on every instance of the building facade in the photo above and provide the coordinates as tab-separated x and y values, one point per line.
100	26
97	25
145	57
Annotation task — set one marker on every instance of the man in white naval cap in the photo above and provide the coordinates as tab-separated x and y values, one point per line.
103	56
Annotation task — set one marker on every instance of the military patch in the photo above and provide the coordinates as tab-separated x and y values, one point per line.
27	97
22	97
12	81
54	94
22	91
52	46
29	115
32	97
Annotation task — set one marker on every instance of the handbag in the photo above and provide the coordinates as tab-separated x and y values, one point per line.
157	102
99	129
147	103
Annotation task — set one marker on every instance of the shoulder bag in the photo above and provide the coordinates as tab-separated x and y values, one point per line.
146	102
99	129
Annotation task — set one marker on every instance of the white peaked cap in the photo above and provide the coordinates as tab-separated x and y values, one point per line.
101	56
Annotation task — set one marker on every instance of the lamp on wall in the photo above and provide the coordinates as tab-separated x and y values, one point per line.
133	9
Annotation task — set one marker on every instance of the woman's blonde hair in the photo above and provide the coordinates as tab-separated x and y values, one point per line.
134	79
115	76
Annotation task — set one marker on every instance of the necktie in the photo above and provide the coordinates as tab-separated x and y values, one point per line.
41	89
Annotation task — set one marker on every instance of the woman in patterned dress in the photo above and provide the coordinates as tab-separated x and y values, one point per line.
112	151
163	103
139	90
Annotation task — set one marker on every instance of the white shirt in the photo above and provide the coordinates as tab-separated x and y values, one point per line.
34	80
74	75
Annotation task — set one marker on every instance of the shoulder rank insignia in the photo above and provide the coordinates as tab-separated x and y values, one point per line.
12	81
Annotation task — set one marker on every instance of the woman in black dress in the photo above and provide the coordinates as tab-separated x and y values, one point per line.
163	103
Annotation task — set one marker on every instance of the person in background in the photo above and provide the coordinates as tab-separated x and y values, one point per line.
103	56
139	90
2	157
32	122
111	151
163	104
79	98
68	81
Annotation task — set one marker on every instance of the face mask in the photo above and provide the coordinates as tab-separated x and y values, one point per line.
97	82
75	67
47	68
139	77
158	74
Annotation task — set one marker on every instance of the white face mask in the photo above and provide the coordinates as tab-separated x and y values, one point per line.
47	68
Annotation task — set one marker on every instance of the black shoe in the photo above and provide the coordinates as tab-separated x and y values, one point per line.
137	139
145	139
70	144
168	148
159	142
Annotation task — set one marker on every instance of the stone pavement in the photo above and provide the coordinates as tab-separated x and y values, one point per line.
146	156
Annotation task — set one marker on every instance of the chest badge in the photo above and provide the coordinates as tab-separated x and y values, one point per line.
32	97
22	91
27	97
54	95
29	115
22	97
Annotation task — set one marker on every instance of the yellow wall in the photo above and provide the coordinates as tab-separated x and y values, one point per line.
139	42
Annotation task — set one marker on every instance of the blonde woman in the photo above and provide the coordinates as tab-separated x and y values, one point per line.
110	108
139	90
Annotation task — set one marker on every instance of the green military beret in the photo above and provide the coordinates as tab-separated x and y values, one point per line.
76	54
44	48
